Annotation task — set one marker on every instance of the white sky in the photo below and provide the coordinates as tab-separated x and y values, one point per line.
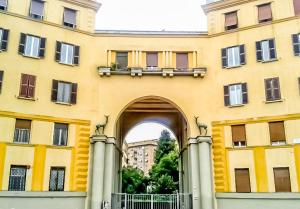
146	131
172	15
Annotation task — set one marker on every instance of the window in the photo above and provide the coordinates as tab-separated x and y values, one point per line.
296	44
1	80
122	60
233	56
297	7
32	46
67	53
265	50
36	9
235	94
57	179
152	60
69	18
3	4
60	134
64	92
17	178
231	20
282	179
182	61
264	13
272	89
242	180
277	133
22	131
238	135
3	38
27	86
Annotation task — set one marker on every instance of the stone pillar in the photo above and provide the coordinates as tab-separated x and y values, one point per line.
98	171
109	58
206	184
194	172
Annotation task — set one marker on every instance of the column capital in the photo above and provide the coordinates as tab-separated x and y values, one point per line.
192	141
206	139
98	138
110	140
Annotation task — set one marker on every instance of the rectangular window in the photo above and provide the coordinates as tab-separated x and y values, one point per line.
69	18
3	39
182	61
122	60
152	59
265	50
32	46
277	133
233	56
17	178
282	179
297	7
22	131
272	88
60	134
57	179
36	9
67	53
238	135
235	94
3	4
231	20
1	80
242	180
296	44
64	92
264	13
27	86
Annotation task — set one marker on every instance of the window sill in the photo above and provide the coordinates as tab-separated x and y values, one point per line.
239	147
33	57
238	105
271	60
27	98
71	65
63	103
232	67
274	101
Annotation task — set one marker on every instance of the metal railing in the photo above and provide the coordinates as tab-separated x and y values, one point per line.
151	201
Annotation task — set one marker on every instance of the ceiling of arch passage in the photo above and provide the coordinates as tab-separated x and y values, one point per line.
151	15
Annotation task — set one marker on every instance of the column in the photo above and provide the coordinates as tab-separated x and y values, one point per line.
38	168
260	169
109	58
170	59
194	59
133	58
163	60
98	171
206	183
167	59
140	59
194	172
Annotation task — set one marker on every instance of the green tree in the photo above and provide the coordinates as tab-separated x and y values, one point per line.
133	181
165	145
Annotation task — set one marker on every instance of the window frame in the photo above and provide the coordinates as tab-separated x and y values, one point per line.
273	89
278	142
31	48
67	47
4	8
290	183
67	135
153	54
240	142
235	178
231	27
260	21
56	185
10	175
67	24
28	86
117	63
22	129
37	16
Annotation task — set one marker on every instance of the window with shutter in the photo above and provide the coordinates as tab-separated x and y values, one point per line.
64	92
231	20
27	86
282	179
17	178
296	44
242	180
235	94
182	62
37	9
69	18
3	39
233	56
22	131
277	133
1	80
272	89
57	179
3	4
264	13
297	7
265	50
152	59
238	135
32	46
60	134
122	60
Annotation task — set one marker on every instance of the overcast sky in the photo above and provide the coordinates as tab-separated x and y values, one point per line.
174	15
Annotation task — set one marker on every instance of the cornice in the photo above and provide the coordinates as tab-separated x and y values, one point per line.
223	4
85	3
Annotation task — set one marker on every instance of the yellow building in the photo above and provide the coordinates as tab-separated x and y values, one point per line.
59	78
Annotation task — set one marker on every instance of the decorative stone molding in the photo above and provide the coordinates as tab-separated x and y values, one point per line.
206	139
136	71
91	4
199	72
104	71
168	72
217	5
98	138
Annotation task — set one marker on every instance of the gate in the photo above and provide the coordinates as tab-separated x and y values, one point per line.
151	201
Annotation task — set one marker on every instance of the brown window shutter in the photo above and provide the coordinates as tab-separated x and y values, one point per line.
152	59
57	51
31	86
282	179
242	180
54	90
231	19
224	58
42	48
22	43
264	13
3	44
245	93
226	96
23	124
297	7
24	85
74	93
238	133
277	132
76	55
1	80
182	62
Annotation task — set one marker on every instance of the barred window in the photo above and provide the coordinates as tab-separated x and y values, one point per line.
17	178
57	179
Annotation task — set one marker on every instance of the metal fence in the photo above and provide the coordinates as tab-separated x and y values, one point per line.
151	201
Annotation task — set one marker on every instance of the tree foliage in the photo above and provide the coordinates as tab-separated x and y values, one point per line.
133	181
